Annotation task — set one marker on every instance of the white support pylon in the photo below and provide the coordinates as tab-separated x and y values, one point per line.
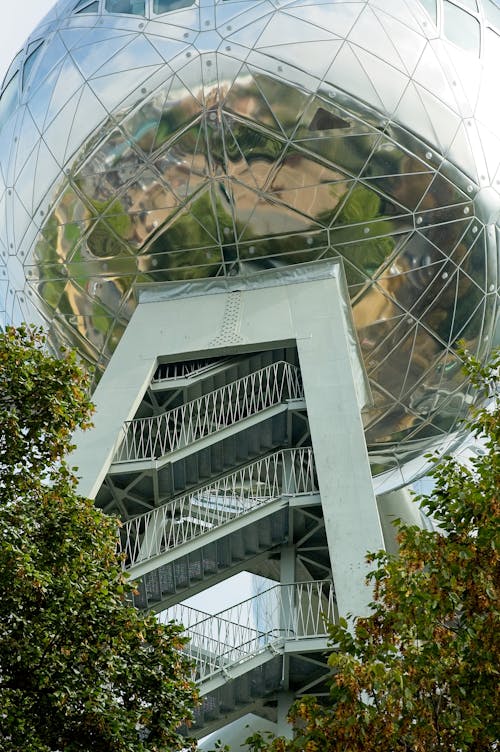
304	305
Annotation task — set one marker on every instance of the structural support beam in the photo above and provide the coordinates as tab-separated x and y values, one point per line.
332	378
305	306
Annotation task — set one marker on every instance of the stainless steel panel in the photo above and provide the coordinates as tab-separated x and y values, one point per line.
237	136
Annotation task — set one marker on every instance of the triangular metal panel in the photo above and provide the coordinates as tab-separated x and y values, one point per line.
369	34
339	19
430	74
407	40
248	34
52	56
82	127
93	56
115	88
56	134
28	135
137	53
319	55
40	99
347	73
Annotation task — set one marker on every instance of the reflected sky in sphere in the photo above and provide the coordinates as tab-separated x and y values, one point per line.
147	143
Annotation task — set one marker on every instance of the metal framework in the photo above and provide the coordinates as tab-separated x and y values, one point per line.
272	621
288	472
239	432
150	438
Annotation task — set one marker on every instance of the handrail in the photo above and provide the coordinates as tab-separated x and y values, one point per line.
173	371
287	472
282	613
157	436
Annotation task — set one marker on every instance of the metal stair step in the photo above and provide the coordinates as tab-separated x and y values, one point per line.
176	579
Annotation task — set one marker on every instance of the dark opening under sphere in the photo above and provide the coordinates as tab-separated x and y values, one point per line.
144	142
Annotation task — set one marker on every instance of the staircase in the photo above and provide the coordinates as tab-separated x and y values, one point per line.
213	476
250	399
148	539
247	640
198	539
209	564
255	630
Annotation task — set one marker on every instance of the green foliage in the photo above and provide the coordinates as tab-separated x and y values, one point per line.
421	672
80	669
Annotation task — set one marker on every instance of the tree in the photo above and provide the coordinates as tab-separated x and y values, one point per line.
80	668
421	672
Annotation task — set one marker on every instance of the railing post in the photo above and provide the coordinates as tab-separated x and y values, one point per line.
287	592
289	484
151	539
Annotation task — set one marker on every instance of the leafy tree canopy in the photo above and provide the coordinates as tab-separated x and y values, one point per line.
421	672
80	669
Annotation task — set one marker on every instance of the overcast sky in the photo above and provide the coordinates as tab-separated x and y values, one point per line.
16	26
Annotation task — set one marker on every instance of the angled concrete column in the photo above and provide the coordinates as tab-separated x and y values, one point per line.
335	393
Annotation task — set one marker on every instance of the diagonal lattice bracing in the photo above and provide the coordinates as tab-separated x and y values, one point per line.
151	438
279	615
168	372
287	472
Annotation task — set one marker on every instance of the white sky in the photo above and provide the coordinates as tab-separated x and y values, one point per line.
17	25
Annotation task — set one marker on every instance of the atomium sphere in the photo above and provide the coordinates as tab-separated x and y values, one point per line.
145	141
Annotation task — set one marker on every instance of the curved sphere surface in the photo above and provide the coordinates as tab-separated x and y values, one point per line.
146	141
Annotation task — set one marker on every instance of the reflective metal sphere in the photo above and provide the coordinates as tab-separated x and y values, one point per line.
144	141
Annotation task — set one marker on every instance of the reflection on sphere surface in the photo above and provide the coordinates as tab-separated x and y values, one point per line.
162	141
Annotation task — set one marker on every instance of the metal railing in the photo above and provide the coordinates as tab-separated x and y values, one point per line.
151	438
265	622
174	371
287	472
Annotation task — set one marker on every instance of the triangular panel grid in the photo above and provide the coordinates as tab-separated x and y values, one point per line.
230	137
